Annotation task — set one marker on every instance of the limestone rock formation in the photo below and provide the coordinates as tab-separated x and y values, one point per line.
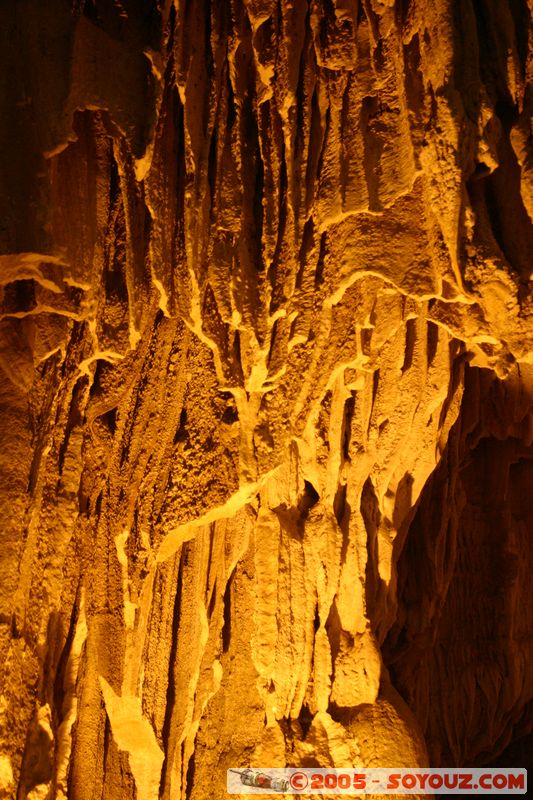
266	352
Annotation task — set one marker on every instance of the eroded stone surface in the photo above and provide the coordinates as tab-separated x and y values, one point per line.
266	346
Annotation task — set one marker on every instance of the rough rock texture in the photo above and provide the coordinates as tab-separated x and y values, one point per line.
266	345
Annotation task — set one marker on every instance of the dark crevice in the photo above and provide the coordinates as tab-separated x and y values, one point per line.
458	359
308	240
98	505
114	183
90	11
232	108
328	22
432	341
110	420
264	39
519	752
15	631
230	415
410	342
372	17
323	143
374	143
492	51
401	10
375	386
212	600
458	581
258	199
39	426
114	276
414	81
98	381
305	718
366	341
319	272
212	162
189	781
181	434
171	27
277	265
171	685
300	93
208	65
333	630
316	143
510	222
107	744
75	419
345	137
340	505
342	511
236	352
521	18
379	56
178	128
19	297
59	678
372	518
309	499
276	328
226	628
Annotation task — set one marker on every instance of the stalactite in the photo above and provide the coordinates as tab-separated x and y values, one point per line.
266	346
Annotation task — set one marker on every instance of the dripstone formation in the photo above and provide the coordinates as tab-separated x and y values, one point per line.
266	355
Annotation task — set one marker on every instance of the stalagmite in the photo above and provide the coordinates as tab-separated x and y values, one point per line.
266	354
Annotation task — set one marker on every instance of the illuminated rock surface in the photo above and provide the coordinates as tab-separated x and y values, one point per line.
267	385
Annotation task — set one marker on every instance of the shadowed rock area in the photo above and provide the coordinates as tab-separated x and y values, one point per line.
266	390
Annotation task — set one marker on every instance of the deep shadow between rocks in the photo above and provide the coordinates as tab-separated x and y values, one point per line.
461	650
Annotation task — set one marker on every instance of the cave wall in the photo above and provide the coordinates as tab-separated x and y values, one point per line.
266	347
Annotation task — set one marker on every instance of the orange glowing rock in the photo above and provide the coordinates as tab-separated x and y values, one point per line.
266	347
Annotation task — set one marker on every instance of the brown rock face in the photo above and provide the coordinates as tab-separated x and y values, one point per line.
266	354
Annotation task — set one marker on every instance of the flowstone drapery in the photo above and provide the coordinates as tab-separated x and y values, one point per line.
266	344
